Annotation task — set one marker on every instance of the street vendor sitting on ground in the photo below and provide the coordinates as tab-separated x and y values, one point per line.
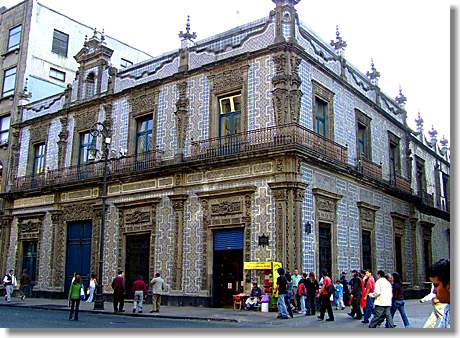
253	299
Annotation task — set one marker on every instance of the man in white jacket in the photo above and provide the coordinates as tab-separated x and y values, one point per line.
383	294
9	281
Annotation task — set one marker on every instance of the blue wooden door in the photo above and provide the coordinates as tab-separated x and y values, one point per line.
78	254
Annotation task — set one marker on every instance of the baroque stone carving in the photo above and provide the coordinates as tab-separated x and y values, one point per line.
39	133
137	217
227	80
225	208
143	104
181	115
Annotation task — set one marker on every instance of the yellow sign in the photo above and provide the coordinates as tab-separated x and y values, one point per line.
257	265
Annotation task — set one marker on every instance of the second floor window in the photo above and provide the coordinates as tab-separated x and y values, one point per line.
90	85
230	115
320	117
395	156
144	142
14	38
9	81
362	151
39	159
420	175
4	128
60	43
86	142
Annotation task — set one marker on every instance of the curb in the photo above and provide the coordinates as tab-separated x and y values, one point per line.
102	312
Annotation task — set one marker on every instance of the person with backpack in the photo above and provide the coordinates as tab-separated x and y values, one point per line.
287	298
338	296
312	286
325	294
302	293
9	282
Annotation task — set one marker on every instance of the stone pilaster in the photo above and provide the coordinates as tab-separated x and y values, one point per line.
62	143
57	249
413	235
178	202
181	117
5	228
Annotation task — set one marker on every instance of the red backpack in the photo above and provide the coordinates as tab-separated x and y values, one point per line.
301	289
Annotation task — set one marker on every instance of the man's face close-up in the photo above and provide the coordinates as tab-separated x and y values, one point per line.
442	291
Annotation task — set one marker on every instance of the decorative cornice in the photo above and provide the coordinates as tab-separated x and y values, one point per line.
250	189
324	193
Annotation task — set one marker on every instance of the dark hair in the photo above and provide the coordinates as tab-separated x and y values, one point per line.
280	271
304	274
77	279
368	270
120	272
381	273
157	274
138	277
396	277
288	277
93	275
337	281
324	272
441	269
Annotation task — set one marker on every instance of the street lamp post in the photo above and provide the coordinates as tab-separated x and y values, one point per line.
99	129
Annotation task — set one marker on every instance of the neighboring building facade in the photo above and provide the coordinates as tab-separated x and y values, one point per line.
259	144
37	45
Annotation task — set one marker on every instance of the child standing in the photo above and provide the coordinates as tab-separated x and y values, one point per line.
338	296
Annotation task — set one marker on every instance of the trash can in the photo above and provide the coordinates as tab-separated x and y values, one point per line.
265	303
264	307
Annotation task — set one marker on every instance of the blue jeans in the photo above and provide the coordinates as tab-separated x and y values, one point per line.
399	305
282	310
369	308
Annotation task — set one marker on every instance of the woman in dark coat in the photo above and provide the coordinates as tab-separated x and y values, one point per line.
312	286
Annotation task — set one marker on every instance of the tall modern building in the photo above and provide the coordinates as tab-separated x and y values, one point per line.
262	143
37	48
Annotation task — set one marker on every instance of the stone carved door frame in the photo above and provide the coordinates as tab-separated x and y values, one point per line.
367	222
137	218
399	229
237	203
325	206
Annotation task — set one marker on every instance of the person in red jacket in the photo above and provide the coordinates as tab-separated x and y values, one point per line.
139	289
118	286
325	300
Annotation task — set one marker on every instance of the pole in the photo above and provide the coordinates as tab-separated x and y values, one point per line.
99	301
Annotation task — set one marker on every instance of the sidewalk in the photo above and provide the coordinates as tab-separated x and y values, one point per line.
417	313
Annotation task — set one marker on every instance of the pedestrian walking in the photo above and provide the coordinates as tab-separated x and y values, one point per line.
383	295
312	286
74	297
338	295
440	276
369	287
302	292
356	293
91	288
325	294
362	301
287	299
139	289
118	286
398	300
281	288
158	286
438	308
296	277
346	292
24	285
9	282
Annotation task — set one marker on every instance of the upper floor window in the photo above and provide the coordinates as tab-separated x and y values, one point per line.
323	112
395	157
39	159
363	135
230	115
86	143
144	130
90	85
4	128
420	176
9	81
14	38
57	74
125	63
60	43
446	190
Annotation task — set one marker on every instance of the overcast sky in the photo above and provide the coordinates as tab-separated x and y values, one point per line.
409	45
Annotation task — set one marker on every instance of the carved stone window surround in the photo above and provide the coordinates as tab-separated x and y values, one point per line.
38	134
325	94
399	229
367	222
365	121
225	81
83	121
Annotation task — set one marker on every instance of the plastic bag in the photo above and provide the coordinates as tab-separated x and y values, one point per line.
82	293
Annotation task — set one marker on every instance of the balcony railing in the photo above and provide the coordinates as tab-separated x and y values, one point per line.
248	143
427	198
369	169
403	184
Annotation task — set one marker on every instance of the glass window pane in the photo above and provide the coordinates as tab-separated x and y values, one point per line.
3	137
237	103
5	123
225	106
60	43
14	38
9	81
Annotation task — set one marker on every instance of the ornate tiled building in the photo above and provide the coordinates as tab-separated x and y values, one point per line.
258	144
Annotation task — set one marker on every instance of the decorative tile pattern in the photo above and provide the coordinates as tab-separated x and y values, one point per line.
166	123
24	152
51	161
42	107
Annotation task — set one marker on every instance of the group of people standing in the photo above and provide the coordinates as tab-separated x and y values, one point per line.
372	300
139	288
9	282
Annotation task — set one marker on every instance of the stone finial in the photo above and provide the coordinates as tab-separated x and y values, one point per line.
102	36
374	74
339	44
401	99
444	145
286	2
419	123
434	136
187	35
94	33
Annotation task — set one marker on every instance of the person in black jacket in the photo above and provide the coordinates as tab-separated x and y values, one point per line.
312	286
356	293
346	291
